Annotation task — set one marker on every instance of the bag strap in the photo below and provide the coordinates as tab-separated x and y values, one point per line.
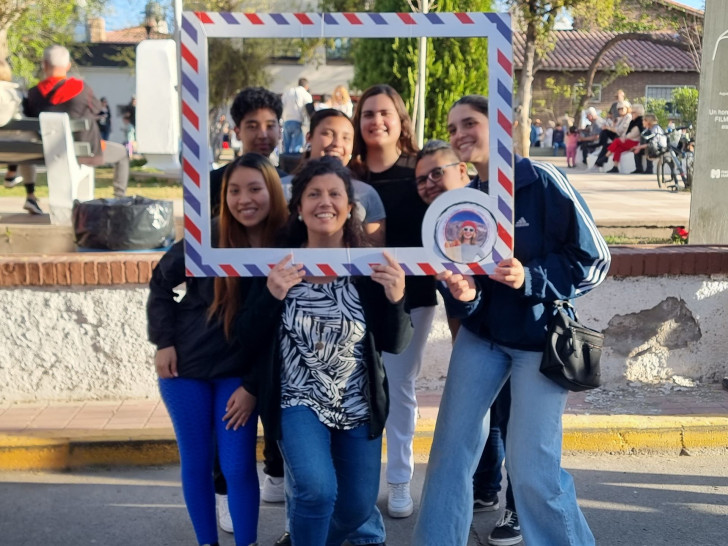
567	307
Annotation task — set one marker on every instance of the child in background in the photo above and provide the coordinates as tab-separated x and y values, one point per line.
572	143
557	138
129	135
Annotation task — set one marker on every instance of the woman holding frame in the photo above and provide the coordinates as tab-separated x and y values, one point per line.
558	254
322	389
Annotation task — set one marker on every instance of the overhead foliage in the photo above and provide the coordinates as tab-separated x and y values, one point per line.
455	66
27	27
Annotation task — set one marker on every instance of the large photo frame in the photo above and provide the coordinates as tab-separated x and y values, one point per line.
204	260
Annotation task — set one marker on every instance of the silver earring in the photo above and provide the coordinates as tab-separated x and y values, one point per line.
300	218
348	216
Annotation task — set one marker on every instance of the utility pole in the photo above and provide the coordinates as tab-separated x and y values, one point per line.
709	200
421	82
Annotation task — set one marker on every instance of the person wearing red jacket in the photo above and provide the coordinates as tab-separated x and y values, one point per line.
59	93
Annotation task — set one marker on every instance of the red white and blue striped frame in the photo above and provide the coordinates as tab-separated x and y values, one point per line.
201	259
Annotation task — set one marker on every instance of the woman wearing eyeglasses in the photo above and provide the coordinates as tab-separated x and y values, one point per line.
384	153
558	254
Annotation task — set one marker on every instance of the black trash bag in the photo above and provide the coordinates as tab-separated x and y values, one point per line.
125	223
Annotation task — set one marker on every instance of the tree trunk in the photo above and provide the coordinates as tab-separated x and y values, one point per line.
4	50
609	45
522	136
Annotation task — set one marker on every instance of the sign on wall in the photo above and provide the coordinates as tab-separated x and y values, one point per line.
492	215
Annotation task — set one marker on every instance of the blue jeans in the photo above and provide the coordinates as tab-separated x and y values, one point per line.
332	477
544	492
292	137
488	476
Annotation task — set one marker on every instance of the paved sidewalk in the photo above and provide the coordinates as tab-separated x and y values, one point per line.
64	435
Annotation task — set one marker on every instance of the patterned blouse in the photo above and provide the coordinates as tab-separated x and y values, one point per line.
321	346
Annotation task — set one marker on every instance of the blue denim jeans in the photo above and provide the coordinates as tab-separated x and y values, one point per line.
488	476
544	492
332	477
292	137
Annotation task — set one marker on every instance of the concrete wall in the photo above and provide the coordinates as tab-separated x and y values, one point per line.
74	328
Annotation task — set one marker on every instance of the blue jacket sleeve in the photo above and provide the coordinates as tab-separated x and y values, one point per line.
576	257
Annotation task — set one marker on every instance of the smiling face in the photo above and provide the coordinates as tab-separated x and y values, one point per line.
380	124
324	209
247	197
467	233
333	136
469	135
259	131
435	174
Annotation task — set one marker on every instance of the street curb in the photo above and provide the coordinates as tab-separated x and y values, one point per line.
582	433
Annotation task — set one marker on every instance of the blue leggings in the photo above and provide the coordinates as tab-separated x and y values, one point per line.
196	407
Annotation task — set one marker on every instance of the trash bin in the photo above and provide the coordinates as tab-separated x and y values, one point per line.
125	223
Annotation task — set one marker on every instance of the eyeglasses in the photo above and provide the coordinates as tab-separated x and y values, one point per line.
468	228
435	175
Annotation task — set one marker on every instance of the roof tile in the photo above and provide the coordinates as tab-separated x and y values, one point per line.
575	50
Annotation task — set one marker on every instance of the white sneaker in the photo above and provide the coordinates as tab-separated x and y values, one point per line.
223	513
272	490
400	503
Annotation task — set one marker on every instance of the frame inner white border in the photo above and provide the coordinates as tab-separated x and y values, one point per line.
202	259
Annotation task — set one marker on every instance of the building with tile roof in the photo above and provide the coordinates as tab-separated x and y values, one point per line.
654	70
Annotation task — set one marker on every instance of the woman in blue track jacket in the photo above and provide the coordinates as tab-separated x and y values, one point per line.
558	254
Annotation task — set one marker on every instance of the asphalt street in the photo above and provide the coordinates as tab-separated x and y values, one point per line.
635	500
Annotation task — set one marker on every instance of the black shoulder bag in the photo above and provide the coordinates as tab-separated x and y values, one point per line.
572	352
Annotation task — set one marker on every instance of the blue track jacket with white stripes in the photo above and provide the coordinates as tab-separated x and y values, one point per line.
562	252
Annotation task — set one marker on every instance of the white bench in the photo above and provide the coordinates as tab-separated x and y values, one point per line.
67	179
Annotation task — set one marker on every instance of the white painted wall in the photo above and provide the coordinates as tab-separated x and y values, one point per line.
117	85
90	343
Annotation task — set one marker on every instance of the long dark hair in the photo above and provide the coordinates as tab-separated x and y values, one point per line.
316	119
296	232
406	143
234	235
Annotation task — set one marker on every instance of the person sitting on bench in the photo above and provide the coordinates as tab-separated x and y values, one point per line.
59	93
10	105
589	141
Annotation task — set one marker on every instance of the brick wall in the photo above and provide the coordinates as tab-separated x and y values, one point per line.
104	269
85	269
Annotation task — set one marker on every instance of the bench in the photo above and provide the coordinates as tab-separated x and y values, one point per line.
67	179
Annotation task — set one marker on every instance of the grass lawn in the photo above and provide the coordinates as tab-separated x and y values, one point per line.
154	188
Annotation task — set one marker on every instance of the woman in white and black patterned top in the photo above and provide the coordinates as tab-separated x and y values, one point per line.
322	389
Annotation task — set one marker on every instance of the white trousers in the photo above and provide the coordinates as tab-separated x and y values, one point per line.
402	371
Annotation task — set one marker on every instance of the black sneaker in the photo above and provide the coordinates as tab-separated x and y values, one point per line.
32	206
507	531
285	540
485	504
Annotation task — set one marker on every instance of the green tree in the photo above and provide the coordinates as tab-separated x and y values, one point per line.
455	66
536	19
659	108
27	27
233	63
685	100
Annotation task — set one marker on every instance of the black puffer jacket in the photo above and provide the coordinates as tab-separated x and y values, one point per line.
203	352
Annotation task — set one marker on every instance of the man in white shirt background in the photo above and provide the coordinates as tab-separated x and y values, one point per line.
295	100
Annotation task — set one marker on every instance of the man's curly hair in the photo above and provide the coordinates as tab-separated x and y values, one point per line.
255	98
